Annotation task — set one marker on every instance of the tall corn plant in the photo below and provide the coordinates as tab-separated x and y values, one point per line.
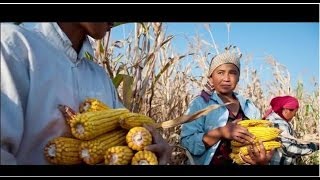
250	85
147	74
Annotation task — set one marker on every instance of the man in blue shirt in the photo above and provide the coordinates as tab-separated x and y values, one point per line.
41	69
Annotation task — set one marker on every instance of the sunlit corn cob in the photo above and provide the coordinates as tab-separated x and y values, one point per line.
237	158
118	155
254	123
92	104
88	125
138	138
144	158
67	112
130	120
93	151
268	145
63	150
261	134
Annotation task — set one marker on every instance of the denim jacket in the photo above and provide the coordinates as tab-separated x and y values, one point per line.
192	132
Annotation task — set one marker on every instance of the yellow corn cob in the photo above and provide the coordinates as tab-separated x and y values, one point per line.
118	155
130	120
138	137
261	134
88	125
93	151
237	158
144	158
255	123
92	104
268	145
263	131
67	112
63	150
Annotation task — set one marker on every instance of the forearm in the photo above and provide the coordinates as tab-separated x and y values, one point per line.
294	149
212	137
194	143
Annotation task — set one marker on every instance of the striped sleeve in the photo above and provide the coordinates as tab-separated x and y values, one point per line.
291	147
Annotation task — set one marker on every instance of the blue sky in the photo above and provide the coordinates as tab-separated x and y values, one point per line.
294	45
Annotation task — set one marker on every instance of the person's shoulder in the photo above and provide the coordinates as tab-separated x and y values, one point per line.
198	99
245	100
10	30
10	27
13	34
273	117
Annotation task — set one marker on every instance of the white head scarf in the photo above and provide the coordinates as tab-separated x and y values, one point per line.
231	55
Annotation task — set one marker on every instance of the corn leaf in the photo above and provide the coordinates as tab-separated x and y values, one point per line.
127	90
117	80
88	56
188	118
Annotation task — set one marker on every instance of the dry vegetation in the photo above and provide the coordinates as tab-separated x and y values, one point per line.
154	80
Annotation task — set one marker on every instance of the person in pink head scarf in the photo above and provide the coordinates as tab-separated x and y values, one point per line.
282	111
285	106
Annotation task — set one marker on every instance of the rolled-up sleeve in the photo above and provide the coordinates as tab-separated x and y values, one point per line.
192	132
291	147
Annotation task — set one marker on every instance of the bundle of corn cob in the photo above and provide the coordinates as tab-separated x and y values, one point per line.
95	130
96	121
262	131
97	118
65	151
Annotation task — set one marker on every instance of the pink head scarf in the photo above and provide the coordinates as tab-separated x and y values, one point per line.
280	102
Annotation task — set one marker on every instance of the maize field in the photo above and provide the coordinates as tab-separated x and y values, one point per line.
154	80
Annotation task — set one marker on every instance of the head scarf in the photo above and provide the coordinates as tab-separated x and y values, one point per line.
231	55
279	103
207	91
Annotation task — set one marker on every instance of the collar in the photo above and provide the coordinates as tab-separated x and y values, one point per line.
275	117
242	100
54	34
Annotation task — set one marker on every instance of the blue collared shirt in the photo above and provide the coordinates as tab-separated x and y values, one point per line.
192	132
